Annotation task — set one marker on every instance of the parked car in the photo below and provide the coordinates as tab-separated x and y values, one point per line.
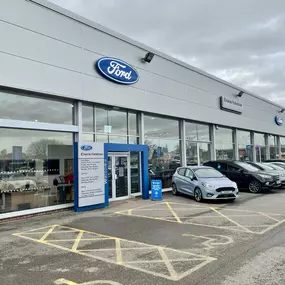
245	175
203	183
277	163
275	160
271	170
16	181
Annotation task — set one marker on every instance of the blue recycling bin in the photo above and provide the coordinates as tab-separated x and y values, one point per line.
156	190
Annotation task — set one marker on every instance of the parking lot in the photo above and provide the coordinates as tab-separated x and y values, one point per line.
176	240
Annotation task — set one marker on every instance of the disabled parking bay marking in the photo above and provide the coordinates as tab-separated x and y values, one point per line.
159	261
251	222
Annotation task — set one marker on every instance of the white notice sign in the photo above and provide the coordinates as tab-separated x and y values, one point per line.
91	186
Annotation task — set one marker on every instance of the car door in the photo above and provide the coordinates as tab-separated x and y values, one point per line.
190	184
179	179
238	175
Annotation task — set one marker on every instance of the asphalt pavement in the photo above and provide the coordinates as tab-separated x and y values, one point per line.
136	242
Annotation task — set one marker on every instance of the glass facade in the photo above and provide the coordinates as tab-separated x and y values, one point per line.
273	147
32	109
36	169
109	125
36	165
260	147
224	144
245	147
198	148
162	138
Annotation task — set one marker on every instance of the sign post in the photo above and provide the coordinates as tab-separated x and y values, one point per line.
156	190
90	176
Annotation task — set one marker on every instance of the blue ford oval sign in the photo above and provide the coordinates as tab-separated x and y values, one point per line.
86	147
117	70
278	120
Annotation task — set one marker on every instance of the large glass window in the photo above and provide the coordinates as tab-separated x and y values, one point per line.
245	148
224	144
162	137
110	125
32	109
273	147
198	148
36	169
282	143
260	147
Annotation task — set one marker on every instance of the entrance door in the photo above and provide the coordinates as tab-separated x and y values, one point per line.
119	175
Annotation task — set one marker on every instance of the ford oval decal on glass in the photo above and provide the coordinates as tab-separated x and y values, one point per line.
278	120
117	70
86	147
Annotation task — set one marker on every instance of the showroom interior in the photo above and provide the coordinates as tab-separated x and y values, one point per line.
51	96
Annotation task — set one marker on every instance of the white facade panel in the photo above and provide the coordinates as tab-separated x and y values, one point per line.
51	52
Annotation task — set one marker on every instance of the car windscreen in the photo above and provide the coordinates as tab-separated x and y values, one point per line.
276	167
207	173
265	166
247	166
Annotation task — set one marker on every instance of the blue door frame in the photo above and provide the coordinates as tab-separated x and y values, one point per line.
112	147
143	149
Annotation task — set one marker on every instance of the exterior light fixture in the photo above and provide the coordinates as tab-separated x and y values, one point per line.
282	111
148	57
240	94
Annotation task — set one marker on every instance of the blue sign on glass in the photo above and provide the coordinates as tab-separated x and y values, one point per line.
156	190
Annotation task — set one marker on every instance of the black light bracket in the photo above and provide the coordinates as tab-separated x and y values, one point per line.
240	94
282	111
148	57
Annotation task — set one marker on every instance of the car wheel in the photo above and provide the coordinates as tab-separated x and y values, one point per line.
174	189
254	186
11	187
198	195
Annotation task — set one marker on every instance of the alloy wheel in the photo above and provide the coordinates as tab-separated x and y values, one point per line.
198	195
254	186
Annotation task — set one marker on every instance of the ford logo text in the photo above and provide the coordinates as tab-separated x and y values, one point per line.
86	147
117	70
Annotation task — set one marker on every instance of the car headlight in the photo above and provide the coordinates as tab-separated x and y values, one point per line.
207	185
264	176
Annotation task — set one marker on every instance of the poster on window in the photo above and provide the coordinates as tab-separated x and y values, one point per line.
91	186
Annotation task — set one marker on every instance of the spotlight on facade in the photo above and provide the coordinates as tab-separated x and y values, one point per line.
240	94
148	57
282	111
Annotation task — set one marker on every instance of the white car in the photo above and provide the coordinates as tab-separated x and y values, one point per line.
16	181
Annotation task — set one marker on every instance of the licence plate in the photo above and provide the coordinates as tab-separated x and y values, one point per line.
226	192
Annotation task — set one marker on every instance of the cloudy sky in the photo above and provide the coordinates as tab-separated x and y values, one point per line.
240	41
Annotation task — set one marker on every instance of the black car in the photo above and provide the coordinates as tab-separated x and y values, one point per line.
246	175
275	160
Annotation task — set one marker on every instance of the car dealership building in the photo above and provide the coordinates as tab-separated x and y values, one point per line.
65	79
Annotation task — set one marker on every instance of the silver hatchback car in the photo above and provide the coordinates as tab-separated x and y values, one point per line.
203	183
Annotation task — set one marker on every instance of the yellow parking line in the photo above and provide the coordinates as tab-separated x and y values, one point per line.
173	213
130	212
63	281
169	266
47	233
265	215
77	241
119	251
232	221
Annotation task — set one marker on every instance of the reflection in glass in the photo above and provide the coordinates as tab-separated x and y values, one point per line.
260	147
224	144
282	143
273	147
88	119
197	132
32	109
191	153
121	170
133	130
245	148
135	172
204	152
36	169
